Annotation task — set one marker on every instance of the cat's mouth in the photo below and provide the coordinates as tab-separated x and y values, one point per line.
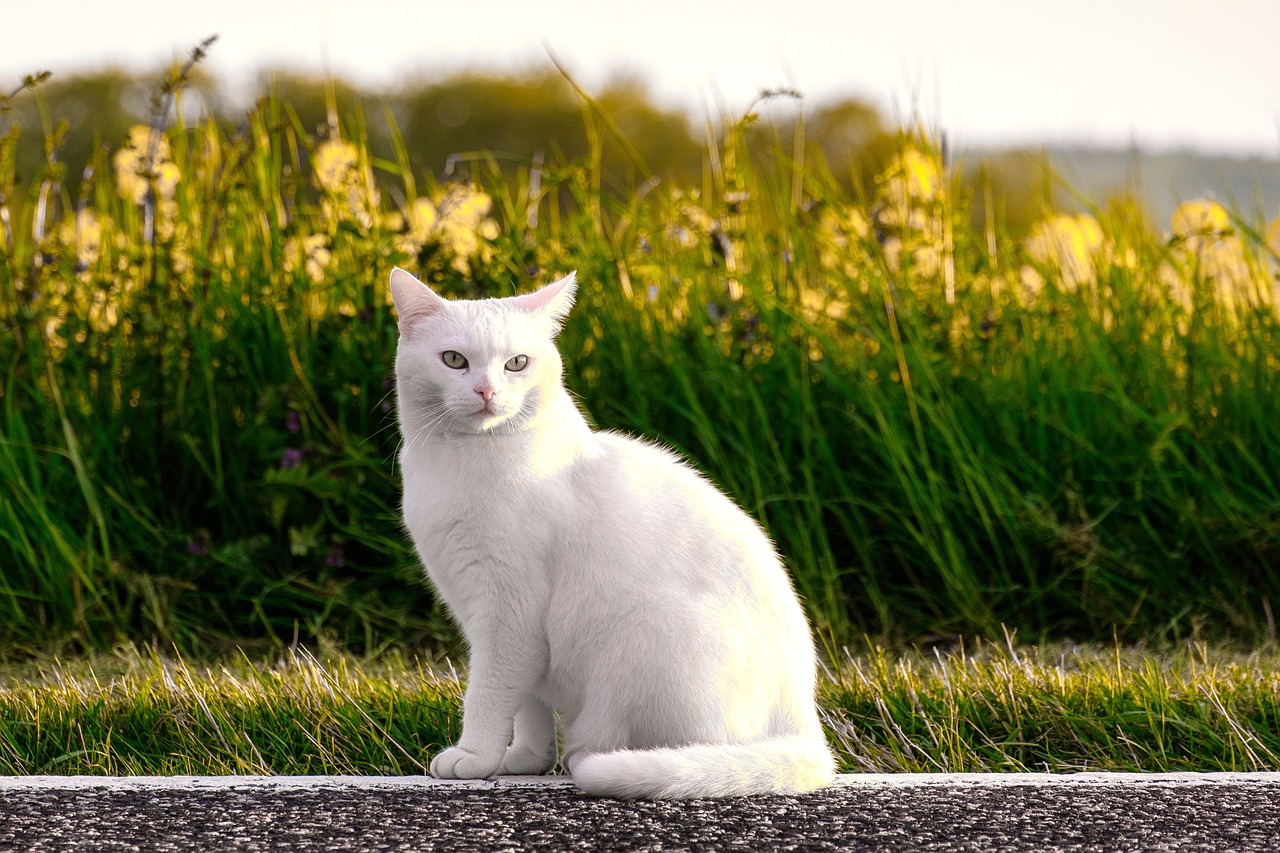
481	417
490	415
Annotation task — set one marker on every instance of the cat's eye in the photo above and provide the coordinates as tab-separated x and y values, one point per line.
454	359
517	363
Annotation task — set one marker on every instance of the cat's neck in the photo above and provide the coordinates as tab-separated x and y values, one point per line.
551	439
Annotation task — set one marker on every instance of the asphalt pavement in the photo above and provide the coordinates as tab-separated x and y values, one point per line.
1103	812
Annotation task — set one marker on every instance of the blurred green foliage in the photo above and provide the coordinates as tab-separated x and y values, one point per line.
444	124
947	421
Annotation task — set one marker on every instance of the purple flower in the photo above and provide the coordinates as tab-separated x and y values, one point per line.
335	558
291	458
292	422
198	545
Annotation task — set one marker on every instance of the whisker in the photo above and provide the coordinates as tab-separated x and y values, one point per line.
427	426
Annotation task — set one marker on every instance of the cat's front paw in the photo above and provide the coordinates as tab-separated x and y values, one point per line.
458	763
521	761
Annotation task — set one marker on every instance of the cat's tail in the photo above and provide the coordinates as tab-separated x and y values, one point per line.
789	765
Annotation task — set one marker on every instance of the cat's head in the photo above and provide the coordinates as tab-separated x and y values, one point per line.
475	366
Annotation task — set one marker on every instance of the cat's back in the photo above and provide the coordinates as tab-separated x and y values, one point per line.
636	469
651	500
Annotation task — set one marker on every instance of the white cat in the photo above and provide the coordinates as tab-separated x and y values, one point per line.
593	575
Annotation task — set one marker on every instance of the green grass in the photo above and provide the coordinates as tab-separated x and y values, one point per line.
990	708
135	713
196	445
1058	709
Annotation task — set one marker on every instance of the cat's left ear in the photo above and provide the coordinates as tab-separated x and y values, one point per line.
414	301
554	300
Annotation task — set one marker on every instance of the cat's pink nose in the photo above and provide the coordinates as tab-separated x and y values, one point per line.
486	392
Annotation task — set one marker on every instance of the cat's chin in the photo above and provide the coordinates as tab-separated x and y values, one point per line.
486	422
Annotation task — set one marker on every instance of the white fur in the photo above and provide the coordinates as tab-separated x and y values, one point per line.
593	575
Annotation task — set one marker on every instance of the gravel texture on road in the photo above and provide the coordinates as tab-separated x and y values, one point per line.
1237	812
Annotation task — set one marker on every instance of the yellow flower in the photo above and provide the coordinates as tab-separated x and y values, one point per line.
816	303
913	177
924	259
847	224
841	240
459	224
142	162
1071	244
840	230
422	221
908	214
310	253
103	314
336	165
1032	285
1202	218
464	228
350	193
920	173
84	235
464	207
1207	249
417	226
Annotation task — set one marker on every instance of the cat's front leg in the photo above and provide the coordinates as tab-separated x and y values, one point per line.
533	749
503	672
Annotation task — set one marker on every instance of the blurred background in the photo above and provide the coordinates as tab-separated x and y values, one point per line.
974	306
1165	101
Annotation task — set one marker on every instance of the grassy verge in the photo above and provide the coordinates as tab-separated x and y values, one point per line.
989	708
140	713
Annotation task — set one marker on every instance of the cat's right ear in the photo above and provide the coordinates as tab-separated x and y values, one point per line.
554	300
414	301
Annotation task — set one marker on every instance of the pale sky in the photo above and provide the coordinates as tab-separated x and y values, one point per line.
1161	73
